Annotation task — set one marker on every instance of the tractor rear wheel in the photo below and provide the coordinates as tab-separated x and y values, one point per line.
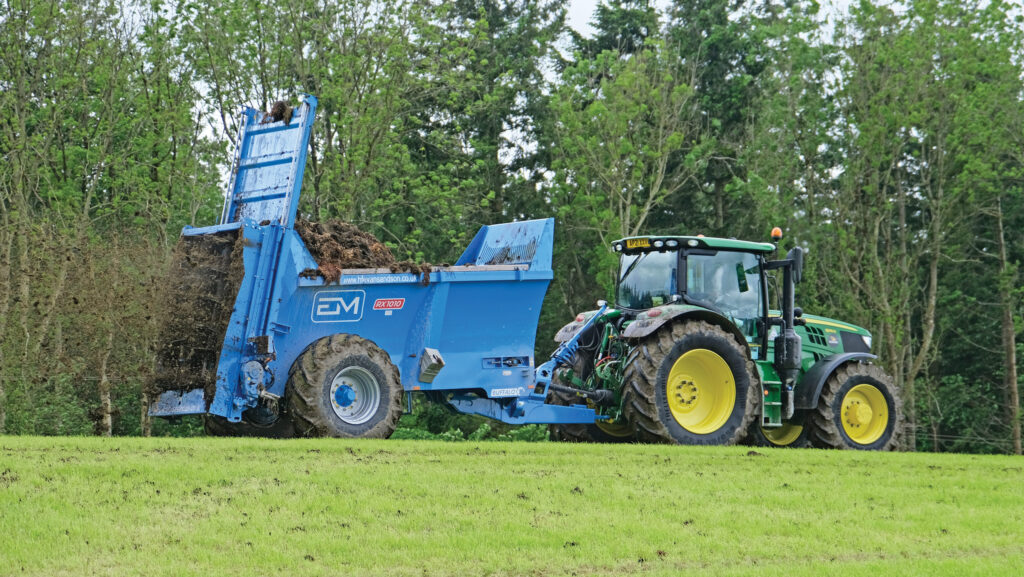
794	433
858	409
692	384
344	386
617	431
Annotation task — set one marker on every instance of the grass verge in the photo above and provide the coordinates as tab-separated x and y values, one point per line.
128	506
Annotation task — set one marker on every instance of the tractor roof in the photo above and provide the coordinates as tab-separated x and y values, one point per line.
647	243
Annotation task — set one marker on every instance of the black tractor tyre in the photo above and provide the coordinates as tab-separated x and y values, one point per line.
645	399
217	426
368	382
782	437
619	432
826	422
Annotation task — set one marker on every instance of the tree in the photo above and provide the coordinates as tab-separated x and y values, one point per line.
99	138
719	43
629	137
621	26
911	80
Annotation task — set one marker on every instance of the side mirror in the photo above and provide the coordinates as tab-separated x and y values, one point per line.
796	254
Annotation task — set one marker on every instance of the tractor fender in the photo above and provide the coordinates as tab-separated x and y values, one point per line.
566	332
809	390
645	325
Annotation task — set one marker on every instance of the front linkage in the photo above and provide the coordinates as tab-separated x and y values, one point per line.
565	356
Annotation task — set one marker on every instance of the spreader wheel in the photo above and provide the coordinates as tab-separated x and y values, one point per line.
344	386
858	409
216	426
691	384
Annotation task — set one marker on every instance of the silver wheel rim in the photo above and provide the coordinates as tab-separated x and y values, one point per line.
355	395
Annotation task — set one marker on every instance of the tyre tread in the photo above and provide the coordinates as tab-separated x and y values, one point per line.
640	399
825	431
306	379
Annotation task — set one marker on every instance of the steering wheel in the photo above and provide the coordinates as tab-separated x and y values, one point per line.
723	304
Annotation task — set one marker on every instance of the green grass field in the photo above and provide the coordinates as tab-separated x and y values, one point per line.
89	506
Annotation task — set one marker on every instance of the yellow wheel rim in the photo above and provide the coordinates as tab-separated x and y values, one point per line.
701	391
615	428
612	427
783	436
865	414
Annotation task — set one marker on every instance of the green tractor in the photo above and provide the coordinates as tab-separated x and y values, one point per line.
692	353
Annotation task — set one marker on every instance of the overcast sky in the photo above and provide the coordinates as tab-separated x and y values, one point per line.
581	12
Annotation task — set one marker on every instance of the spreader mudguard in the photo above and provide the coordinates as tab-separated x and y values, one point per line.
809	389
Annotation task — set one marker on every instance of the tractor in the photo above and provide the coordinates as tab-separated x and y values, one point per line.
692	352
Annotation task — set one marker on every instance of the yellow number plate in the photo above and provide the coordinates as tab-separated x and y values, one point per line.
638	243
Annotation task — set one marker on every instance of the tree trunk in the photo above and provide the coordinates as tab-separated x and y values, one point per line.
719	206
42	328
3	404
936	231
5	305
106	406
1009	333
24	289
145	422
906	385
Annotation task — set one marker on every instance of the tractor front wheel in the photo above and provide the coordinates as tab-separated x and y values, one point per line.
692	384
858	409
344	386
793	434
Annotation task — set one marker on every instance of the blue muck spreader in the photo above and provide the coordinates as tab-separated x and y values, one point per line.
262	339
262	349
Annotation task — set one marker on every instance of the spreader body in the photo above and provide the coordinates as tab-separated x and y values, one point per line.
466	331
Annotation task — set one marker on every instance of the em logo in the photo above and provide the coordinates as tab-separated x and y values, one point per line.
338	306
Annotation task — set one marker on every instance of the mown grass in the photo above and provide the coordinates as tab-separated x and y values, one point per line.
216	507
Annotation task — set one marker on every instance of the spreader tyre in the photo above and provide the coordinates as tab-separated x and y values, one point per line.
691	383
344	386
793	434
858	409
217	426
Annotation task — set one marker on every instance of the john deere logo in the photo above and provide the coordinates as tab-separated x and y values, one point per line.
638	243
338	306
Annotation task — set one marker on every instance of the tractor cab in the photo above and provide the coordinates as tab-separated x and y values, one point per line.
718	277
722	275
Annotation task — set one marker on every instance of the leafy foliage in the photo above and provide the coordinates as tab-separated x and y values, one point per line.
888	143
